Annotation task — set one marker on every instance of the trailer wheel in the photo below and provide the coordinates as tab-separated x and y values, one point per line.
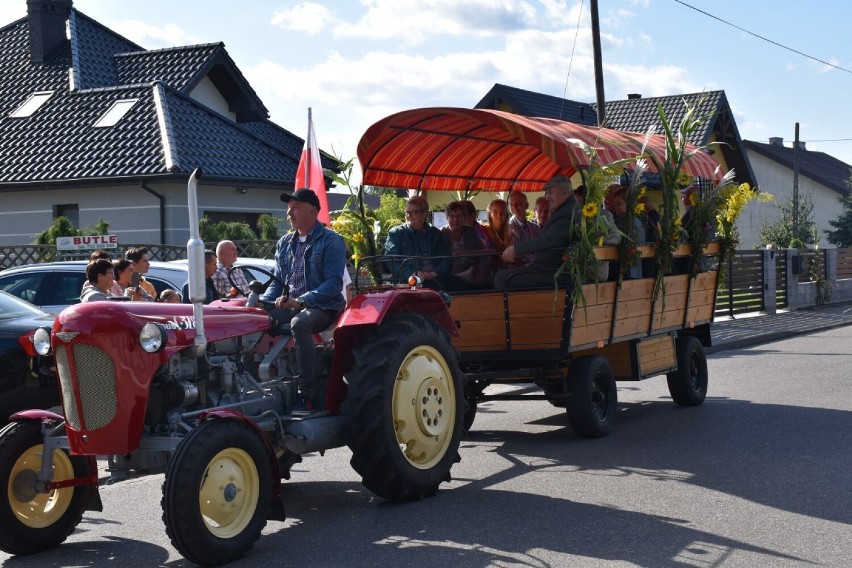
405	408
34	521
593	401
688	385
217	492
469	413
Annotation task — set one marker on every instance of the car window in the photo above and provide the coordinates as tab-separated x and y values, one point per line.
67	289
24	285
11	307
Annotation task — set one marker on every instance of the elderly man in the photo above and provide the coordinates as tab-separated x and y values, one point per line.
310	260
547	248
419	241
226	252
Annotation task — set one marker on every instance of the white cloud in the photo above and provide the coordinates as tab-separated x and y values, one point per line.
154	37
413	21
307	17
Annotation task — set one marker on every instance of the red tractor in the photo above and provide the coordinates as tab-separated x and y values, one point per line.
203	393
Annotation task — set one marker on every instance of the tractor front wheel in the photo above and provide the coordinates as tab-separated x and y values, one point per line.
217	492
33	521
405	408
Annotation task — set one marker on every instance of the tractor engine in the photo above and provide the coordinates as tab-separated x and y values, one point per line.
225	378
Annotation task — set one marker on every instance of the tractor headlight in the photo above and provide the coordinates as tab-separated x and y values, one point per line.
41	341
152	338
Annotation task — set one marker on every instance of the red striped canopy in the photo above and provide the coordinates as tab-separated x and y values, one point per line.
491	150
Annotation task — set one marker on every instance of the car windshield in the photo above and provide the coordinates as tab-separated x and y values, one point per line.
12	307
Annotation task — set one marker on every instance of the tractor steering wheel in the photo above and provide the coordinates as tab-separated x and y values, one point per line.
255	285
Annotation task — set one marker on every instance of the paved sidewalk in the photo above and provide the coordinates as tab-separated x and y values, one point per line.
750	329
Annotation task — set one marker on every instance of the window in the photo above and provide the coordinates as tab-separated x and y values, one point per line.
70	211
32	104
115	113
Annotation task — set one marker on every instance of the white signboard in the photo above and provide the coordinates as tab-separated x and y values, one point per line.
92	242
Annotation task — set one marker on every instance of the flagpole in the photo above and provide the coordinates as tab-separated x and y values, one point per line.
309	144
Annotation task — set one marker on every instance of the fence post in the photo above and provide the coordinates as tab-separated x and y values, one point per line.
830	264
792	279
769	285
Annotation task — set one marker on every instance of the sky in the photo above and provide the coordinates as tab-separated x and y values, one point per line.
356	61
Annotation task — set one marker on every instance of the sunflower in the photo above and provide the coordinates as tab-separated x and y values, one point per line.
590	210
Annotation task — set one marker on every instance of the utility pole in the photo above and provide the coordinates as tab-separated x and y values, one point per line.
596	46
796	183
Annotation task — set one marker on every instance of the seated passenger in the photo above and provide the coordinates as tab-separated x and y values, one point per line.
547	249
99	274
497	228
469	271
471	221
541	211
617	203
209	285
520	228
419	240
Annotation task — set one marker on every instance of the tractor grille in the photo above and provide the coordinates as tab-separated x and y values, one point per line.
69	405
96	383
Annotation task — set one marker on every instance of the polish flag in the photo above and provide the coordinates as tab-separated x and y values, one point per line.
309	173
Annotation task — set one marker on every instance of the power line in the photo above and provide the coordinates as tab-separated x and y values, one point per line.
570	61
831	140
763	38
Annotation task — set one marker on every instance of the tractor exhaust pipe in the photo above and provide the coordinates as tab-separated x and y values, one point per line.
195	264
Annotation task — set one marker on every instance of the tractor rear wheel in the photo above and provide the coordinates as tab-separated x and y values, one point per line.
33	521
217	492
593	402
405	408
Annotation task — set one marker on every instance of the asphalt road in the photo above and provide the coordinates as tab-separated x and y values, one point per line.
760	475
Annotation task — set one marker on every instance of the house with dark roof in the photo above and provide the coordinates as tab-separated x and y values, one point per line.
824	178
93	126
638	114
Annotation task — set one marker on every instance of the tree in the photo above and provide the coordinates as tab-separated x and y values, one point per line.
780	231
391	211
225	230
267	226
841	236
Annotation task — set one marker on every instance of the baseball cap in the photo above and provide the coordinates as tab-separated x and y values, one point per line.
303	195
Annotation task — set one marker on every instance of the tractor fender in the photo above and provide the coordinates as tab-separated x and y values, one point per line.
366	312
36	414
225	414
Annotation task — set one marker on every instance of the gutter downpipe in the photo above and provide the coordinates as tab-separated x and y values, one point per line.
162	210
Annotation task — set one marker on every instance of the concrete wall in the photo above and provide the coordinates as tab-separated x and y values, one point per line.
132	212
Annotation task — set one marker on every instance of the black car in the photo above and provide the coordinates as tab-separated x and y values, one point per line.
27	380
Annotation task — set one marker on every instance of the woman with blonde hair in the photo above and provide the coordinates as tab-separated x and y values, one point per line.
497	228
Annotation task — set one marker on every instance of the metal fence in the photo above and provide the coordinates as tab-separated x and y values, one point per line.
844	263
741	290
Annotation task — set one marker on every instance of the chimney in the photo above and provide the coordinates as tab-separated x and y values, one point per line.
634	96
801	145
47	27
776	141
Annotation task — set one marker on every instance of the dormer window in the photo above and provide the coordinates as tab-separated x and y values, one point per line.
32	104
115	113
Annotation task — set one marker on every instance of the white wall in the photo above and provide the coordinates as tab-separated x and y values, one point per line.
207	94
778	180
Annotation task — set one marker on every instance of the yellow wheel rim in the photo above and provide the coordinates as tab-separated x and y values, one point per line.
229	493
33	509
424	407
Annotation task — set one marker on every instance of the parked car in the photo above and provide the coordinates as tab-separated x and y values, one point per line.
27	380
53	286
